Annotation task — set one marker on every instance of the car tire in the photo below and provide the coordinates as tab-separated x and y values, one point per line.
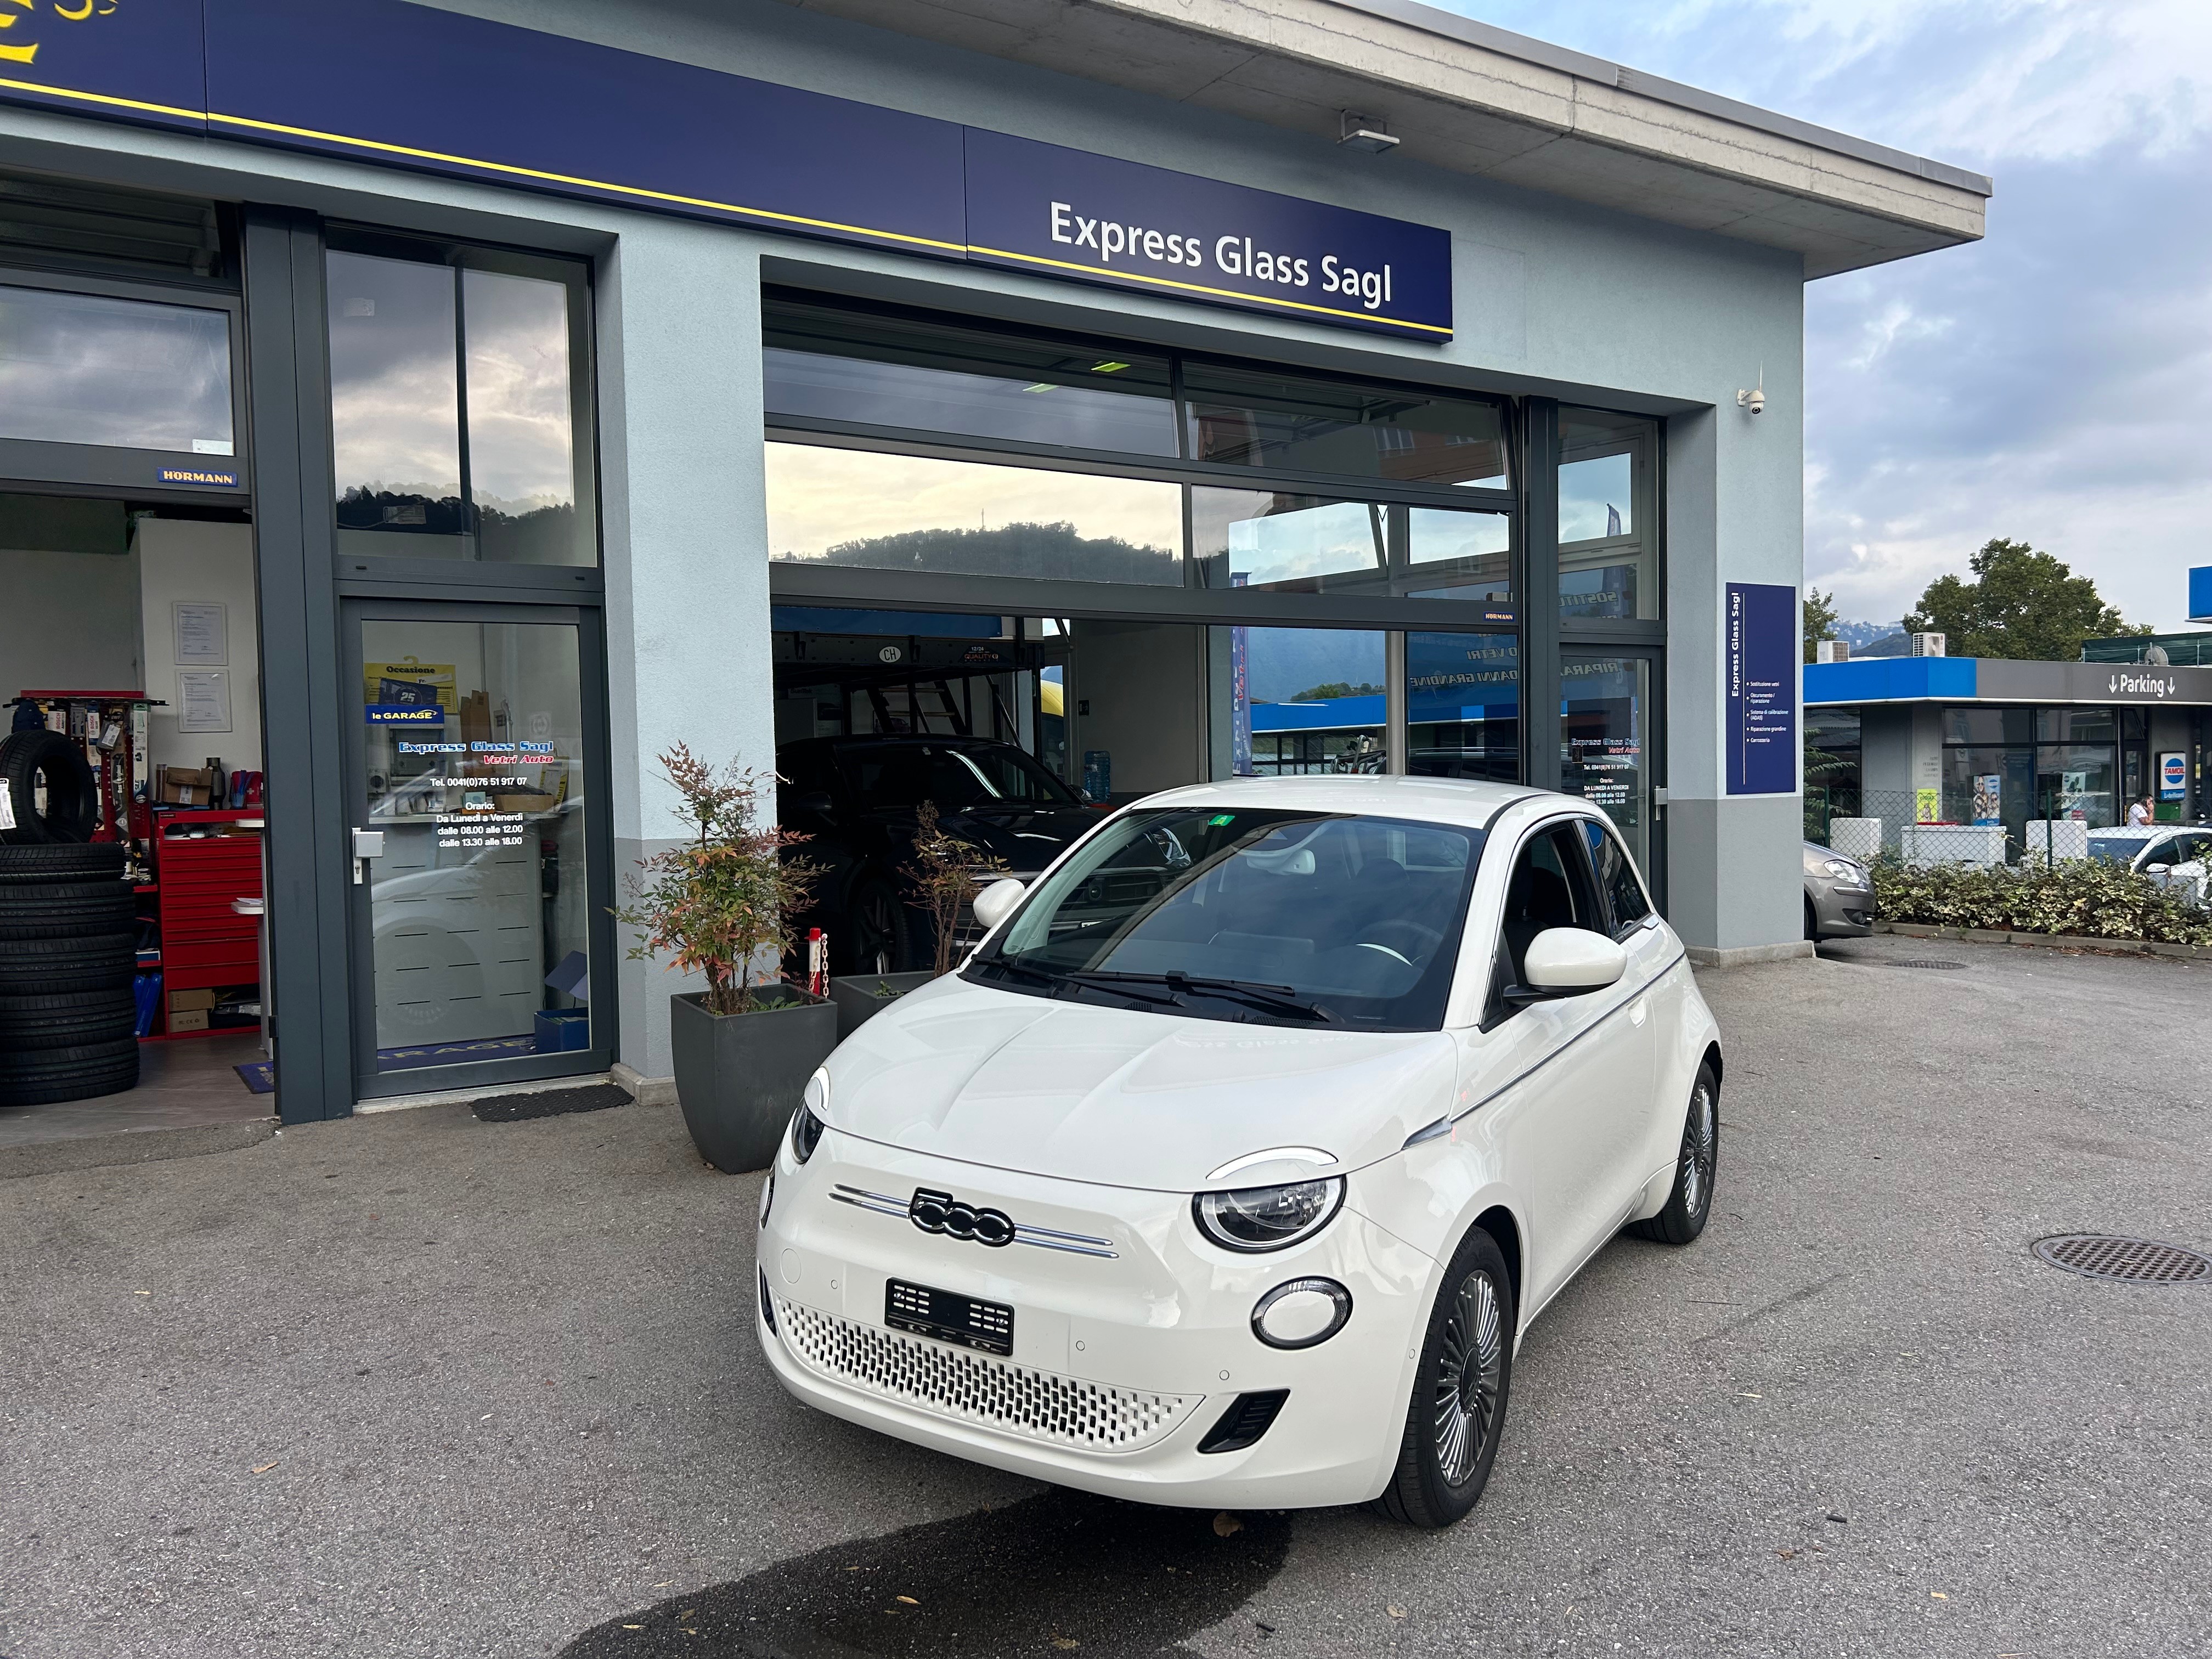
1691	1201
68	1019
1460	1390
55	862
81	1080
29	913
1812	923
878	923
72	808
92	962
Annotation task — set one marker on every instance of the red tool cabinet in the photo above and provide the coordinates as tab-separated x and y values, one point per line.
204	943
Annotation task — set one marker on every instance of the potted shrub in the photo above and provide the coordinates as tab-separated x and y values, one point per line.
715	905
946	873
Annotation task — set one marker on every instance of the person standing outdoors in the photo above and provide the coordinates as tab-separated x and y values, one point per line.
2139	814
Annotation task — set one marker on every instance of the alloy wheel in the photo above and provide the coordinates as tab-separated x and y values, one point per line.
1701	1136
1470	1368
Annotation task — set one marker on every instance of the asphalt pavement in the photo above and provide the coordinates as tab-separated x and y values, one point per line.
417	1384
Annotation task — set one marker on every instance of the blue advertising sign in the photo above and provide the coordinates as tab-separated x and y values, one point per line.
406	713
2200	593
2173	775
1039	207
438	91
1760	663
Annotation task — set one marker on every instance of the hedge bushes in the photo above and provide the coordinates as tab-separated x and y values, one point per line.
2087	897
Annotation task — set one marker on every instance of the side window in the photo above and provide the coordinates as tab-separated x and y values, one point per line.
1551	888
1616	877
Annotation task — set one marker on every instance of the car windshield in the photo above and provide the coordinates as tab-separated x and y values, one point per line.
2119	847
958	777
1271	917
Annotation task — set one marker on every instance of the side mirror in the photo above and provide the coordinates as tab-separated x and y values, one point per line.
2156	869
997	901
1566	961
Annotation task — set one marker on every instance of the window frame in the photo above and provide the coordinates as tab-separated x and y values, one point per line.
110	470
467	575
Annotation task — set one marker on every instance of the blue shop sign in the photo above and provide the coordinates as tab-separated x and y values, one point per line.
436	91
406	713
1760	660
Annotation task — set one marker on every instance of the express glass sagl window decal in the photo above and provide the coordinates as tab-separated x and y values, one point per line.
425	89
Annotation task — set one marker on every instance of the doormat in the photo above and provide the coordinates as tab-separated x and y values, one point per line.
259	1075
549	1103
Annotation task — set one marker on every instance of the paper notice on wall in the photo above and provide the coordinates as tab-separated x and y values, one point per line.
202	701
202	632
7	807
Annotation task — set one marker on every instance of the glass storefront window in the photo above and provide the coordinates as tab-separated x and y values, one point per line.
459	418
2075	726
828	364
1605	753
1989	725
1304	700
474	765
1608	528
1311	544
2075	781
885	512
82	368
1255	417
1463	706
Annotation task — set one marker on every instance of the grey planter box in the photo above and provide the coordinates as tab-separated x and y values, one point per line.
740	1076
859	997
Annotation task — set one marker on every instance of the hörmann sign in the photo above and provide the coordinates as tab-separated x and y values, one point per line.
435	91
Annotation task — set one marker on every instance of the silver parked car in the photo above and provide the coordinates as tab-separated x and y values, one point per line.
1839	896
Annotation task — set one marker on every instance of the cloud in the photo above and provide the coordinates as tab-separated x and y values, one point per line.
2053	383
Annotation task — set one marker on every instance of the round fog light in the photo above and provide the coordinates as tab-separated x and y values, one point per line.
1302	1314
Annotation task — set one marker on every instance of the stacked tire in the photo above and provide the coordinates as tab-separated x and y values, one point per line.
69	950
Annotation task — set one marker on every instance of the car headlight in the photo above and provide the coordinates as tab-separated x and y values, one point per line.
806	1124
768	1197
1844	870
1268	1218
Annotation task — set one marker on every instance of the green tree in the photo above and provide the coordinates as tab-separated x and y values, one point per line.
1330	688
1819	620
2019	603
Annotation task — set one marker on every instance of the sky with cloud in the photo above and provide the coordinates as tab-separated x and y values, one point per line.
2053	383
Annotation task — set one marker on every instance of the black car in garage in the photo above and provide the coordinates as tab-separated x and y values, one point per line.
856	799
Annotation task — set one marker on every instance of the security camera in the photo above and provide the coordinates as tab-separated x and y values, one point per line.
1754	400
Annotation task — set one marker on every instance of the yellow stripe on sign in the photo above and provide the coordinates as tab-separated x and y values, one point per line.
100	98
1200	288
637	191
16	54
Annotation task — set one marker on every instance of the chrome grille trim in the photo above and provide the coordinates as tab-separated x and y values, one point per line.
976	1388
1043	1238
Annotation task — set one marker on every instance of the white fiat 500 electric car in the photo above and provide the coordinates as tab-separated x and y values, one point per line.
1231	1166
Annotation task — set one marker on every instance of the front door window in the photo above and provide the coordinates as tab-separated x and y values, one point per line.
471	841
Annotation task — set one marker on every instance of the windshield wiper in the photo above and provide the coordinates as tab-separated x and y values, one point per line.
1021	971
1281	1000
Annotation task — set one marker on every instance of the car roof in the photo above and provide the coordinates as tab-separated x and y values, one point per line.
1463	802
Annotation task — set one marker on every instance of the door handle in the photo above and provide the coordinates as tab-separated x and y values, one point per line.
366	844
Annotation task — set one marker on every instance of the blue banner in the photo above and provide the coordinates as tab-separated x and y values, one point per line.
436	91
1761	661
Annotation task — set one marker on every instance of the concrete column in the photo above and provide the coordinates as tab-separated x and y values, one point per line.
1735	512
688	633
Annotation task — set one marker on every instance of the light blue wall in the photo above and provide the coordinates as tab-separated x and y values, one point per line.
1550	297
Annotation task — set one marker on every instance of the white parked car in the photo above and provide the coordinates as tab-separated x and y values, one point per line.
1234	1163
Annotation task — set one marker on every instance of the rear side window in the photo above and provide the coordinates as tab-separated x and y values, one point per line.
1616	877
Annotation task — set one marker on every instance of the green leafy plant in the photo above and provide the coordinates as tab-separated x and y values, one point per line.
2087	898
714	904
946	873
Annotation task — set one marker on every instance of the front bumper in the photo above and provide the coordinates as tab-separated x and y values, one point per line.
1122	1364
1841	909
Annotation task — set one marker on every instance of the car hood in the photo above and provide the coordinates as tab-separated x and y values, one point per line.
1026	840
1123	1097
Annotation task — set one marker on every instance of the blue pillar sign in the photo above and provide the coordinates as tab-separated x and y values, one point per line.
1761	652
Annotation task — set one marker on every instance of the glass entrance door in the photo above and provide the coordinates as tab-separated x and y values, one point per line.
1606	743
483	947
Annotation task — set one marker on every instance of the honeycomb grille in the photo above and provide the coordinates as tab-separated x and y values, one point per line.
973	1387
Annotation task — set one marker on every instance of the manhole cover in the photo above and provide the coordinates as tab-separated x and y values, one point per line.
1920	962
2131	1261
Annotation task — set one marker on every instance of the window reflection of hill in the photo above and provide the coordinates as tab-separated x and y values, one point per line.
1056	550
